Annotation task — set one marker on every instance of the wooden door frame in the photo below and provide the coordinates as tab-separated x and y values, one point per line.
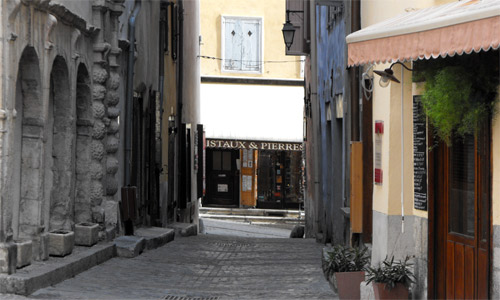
432	222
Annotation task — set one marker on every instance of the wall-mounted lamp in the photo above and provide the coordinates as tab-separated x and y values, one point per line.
288	29
387	75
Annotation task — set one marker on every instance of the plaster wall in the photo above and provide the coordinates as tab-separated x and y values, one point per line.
387	108
273	16
191	89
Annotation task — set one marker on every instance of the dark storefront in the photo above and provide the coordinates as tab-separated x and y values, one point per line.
258	174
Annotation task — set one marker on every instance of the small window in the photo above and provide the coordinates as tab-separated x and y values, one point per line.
216	160
242	44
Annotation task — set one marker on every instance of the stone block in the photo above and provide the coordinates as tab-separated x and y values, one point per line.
8	257
297	232
40	246
24	253
61	242
184	229
155	236
110	233
129	246
86	234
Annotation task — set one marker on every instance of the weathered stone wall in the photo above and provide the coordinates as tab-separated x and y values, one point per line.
391	241
59	118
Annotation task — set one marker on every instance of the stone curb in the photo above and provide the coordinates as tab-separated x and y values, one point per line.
156	236
42	274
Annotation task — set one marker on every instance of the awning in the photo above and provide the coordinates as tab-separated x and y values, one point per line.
438	31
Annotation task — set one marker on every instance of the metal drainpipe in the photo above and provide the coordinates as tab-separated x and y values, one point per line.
180	82
130	91
315	120
163	22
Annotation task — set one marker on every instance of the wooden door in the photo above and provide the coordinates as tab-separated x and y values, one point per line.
223	178
248	176
462	201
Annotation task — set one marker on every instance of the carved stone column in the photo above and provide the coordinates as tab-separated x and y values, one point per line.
113	112
99	77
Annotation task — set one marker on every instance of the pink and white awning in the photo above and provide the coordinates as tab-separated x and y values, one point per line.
456	28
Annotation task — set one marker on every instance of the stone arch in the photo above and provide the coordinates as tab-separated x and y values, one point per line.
84	171
28	149
61	147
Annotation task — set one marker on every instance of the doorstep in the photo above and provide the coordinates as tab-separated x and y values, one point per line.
41	274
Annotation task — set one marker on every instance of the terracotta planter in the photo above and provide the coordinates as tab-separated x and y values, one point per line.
86	234
61	242
348	284
398	292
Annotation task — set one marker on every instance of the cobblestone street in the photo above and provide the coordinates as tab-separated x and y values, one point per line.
205	266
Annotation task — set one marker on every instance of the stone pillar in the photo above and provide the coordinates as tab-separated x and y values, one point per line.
113	112
99	78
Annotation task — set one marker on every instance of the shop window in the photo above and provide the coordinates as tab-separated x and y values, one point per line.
242	44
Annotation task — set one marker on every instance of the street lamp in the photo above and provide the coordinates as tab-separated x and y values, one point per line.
288	33
387	75
288	29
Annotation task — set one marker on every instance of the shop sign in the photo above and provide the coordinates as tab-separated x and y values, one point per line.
255	145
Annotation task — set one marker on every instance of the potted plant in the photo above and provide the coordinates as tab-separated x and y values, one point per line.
346	267
391	279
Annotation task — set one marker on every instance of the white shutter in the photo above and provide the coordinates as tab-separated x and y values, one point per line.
251	45
242	44
232	51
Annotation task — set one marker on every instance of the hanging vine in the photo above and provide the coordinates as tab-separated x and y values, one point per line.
460	93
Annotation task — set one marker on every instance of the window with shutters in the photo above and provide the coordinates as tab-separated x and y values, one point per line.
241	44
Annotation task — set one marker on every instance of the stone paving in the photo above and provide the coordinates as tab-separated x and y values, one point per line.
205	267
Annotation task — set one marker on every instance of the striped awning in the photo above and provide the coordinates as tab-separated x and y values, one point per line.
439	31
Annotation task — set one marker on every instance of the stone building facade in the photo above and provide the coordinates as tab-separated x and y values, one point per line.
59	119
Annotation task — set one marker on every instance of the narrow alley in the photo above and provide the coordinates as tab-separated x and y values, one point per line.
205	267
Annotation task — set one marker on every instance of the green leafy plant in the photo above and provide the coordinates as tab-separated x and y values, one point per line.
346	259
459	93
391	272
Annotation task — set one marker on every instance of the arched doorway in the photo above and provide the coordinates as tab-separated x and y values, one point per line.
28	149
61	145
84	122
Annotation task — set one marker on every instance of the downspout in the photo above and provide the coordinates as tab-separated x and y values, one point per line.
161	58
130	91
180	82
316	119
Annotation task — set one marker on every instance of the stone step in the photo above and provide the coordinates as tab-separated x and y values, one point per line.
254	219
155	236
144	238
184	229
251	212
41	274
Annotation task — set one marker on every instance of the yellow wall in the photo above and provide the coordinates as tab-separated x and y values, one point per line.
273	16
169	101
387	107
